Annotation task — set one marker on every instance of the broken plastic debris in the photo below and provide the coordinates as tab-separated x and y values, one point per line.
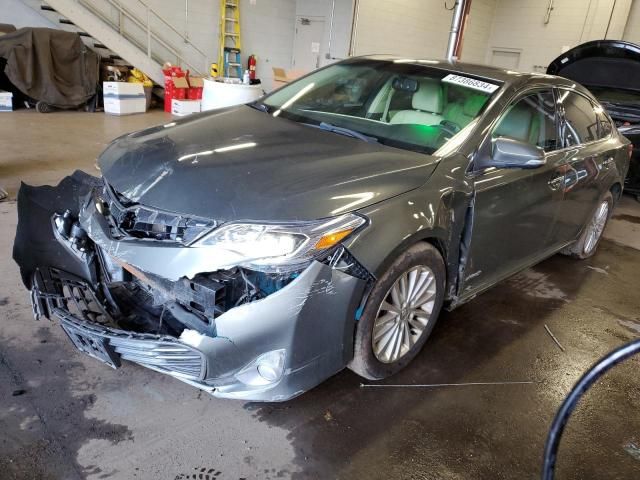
191	337
554	338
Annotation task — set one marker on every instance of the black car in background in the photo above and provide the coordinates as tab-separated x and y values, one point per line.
610	69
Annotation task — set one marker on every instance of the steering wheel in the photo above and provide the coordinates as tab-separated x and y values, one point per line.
450	127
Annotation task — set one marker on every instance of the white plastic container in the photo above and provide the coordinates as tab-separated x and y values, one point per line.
180	108
220	94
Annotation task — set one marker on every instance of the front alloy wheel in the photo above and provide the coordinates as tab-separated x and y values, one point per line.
404	314
400	313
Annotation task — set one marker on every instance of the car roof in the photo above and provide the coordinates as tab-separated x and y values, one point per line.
508	77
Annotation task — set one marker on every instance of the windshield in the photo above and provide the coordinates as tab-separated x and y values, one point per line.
400	104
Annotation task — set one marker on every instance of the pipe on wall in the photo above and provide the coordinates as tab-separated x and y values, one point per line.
463	26
454	34
354	28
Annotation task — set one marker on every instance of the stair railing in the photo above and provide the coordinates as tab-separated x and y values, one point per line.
151	34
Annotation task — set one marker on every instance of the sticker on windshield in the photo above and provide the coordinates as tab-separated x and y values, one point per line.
471	83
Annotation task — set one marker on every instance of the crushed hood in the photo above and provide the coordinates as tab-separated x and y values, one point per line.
243	164
601	63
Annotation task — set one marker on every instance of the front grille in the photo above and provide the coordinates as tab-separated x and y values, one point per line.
165	356
161	353
137	221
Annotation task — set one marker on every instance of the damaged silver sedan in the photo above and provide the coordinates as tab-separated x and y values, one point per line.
255	251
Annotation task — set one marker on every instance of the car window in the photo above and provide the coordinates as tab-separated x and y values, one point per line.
531	119
580	119
404	103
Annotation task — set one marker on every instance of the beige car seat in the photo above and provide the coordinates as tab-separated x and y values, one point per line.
427	104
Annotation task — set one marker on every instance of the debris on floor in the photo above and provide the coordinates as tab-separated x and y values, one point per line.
3	195
554	338
633	449
437	385
598	269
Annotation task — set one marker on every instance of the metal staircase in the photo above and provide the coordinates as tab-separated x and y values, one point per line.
128	32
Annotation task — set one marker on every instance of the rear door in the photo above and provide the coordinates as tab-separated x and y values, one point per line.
589	155
515	209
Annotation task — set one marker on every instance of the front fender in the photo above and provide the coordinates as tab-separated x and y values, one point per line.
435	212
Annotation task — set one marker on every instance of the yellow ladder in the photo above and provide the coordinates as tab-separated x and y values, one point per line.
230	41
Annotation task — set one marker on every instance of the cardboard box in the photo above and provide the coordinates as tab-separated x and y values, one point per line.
180	108
281	76
6	101
196	84
124	98
127	106
121	89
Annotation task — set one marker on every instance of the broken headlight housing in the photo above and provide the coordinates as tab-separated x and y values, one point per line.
281	247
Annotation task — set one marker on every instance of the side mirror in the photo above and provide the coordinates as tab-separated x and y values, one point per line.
510	153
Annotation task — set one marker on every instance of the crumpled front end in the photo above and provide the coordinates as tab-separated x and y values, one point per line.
126	284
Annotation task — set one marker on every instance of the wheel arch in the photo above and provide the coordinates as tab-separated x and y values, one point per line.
616	191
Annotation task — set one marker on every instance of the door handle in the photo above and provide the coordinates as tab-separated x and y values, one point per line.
556	182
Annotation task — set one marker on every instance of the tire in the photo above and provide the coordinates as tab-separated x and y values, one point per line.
589	239
423	267
42	107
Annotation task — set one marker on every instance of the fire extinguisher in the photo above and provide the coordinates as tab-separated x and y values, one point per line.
251	66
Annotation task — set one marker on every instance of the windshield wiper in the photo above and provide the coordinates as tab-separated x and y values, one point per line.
345	131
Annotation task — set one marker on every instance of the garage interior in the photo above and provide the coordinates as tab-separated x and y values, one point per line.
476	403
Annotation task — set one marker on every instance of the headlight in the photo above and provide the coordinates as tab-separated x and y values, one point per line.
280	247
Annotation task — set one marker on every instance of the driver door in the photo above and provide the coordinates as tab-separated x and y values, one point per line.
515	209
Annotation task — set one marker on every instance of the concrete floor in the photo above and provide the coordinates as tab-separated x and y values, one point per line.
65	416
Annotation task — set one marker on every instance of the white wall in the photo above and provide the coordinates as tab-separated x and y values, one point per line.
632	29
267	32
341	32
17	13
402	27
518	25
477	31
420	28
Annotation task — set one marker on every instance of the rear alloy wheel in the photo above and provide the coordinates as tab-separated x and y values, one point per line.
400	313
588	242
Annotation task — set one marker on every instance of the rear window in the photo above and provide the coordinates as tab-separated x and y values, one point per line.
580	119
